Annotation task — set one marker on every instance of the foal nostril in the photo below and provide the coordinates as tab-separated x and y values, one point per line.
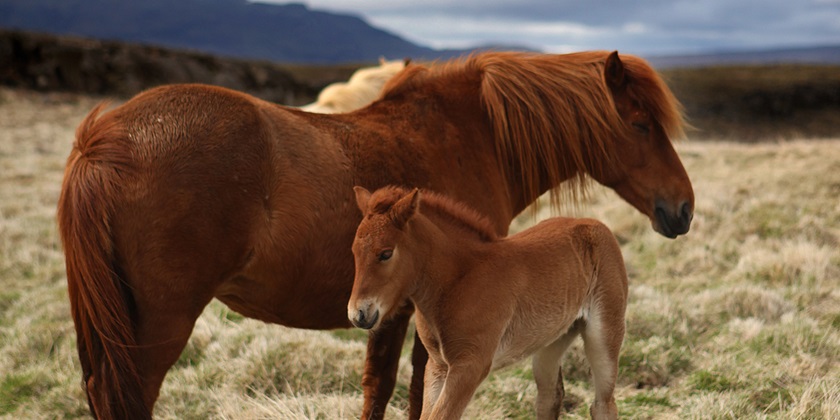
364	321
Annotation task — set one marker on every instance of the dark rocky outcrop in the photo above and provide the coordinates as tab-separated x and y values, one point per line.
71	64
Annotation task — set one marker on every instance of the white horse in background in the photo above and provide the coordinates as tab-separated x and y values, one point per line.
363	88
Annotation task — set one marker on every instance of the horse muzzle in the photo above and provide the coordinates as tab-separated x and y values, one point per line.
673	223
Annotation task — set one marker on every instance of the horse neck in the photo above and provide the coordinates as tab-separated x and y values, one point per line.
450	130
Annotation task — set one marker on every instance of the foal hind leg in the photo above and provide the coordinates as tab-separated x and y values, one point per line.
602	337
548	375
381	362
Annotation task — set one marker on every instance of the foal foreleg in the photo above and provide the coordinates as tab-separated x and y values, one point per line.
462	379
434	378
381	363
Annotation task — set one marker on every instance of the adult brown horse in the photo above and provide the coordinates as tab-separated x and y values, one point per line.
188	192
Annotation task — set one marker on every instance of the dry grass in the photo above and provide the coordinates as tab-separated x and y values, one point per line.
740	319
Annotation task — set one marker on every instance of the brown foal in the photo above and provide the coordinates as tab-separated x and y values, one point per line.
483	302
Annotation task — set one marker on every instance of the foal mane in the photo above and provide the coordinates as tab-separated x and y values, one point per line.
553	116
441	207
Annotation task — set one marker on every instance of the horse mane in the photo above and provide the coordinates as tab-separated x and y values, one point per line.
553	116
440	206
363	87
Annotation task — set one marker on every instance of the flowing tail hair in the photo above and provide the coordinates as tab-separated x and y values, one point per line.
100	302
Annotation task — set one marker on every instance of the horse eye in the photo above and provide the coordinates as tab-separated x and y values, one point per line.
642	128
386	254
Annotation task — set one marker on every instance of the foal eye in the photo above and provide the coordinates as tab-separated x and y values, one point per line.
386	254
641	128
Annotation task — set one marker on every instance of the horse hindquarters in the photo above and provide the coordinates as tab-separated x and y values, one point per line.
135	287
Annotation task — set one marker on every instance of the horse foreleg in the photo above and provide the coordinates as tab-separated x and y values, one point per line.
381	363
419	357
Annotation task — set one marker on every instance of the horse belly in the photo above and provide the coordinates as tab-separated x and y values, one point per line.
301	272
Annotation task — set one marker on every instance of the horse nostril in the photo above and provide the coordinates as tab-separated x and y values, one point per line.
360	319
686	214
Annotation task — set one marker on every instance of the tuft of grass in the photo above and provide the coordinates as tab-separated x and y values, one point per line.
17	389
351	334
706	381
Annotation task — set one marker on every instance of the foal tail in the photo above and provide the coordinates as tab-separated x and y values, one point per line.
99	301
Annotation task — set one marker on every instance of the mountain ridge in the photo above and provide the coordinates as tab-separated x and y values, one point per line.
290	33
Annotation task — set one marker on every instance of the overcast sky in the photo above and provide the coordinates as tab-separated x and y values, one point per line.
648	27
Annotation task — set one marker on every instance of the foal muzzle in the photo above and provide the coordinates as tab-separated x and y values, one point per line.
365	320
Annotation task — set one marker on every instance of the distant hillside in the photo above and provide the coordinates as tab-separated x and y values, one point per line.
289	33
804	55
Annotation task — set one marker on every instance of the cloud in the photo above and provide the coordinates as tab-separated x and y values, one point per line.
643	26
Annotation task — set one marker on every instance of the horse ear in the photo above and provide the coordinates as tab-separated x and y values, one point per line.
614	72
362	198
405	208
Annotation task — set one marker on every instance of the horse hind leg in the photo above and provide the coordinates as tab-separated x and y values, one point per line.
163	327
419	359
548	374
602	337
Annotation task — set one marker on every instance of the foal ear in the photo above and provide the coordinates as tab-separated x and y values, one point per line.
362	198
614	72
405	208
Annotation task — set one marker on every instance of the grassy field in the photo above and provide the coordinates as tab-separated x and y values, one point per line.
739	319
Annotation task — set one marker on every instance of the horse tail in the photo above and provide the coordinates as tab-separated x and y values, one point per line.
99	300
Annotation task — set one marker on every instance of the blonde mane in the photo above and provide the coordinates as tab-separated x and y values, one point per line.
363	87
553	113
